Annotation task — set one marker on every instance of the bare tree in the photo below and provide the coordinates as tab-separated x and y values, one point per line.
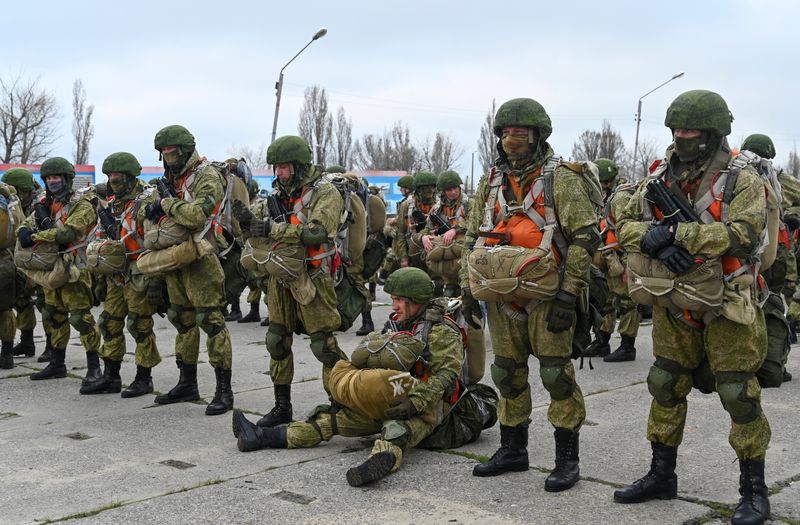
28	119
793	164
391	151
342	140
316	123
487	143
648	152
256	158
606	144
82	126
439	154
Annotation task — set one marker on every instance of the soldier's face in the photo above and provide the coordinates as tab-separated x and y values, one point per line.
406	191
283	171
452	193
404	309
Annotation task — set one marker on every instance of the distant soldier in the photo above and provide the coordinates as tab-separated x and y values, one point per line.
10	216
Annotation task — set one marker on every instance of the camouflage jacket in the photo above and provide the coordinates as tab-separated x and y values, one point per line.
459	211
81	217
577	217
146	195
9	193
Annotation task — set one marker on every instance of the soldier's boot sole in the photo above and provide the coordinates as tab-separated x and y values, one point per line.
564	477
510	461
620	355
51	371
374	468
647	489
220	406
185	394
102	386
252	317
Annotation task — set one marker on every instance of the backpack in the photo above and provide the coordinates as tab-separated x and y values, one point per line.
768	248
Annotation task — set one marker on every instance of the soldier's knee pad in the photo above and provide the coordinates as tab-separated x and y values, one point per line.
277	342
507	381
323	345
138	327
732	388
107	325
206	323
79	321
555	378
177	320
663	380
396	433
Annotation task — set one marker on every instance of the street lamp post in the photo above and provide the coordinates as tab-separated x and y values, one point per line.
639	114
279	84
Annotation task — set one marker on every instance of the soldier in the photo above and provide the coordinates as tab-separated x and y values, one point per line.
72	215
235	276
311	214
611	260
22	181
424	399
412	215
699	167
196	291
532	200
254	283
10	215
129	294
406	186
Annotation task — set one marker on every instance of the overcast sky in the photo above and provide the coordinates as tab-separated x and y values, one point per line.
436	66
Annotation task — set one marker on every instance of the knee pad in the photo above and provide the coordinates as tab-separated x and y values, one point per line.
505	378
663	380
732	388
555	378
277	342
110	326
139	328
204	317
79	321
174	316
323	345
396	433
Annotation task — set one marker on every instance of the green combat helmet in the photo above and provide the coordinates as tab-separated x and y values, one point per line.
179	136
411	283
524	113
289	149
406	182
700	109
58	166
335	169
122	162
447	180
608	169
760	144
20	178
424	178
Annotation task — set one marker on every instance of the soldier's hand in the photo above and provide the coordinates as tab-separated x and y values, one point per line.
154	211
427	243
242	213
471	309
400	408
261	228
656	239
448	236
25	237
676	258
155	292
562	312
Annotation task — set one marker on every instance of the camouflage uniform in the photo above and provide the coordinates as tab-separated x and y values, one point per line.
235	275
9	201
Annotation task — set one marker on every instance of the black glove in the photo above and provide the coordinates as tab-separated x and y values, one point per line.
471	309
562	312
155	292
656	239
154	211
792	222
261	228
400	408
243	214
676	258
25	237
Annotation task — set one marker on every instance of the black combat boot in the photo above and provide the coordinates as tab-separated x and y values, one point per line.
753	507
109	382
372	289
265	321
236	312
366	324
48	350
567	470
93	370
282	411
512	456
661	482
376	467
251	437
185	390
56	368
599	347
252	316
625	352
223	396
25	346
142	383
7	355
382	276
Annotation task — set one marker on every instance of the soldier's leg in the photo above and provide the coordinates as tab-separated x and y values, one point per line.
476	355
78	299
140	326
367	325
55	319
110	324
629	319
253	299
7	331
770	373
278	340
235	280
320	318
26	319
326	422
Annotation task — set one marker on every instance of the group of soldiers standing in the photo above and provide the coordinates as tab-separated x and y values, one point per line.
708	241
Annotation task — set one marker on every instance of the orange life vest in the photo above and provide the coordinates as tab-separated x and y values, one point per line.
131	233
313	253
59	213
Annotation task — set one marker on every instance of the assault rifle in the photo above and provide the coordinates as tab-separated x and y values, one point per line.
441	223
107	221
419	220
276	210
42	217
165	189
674	210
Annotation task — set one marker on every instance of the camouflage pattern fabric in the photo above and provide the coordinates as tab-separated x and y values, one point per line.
128	300
62	302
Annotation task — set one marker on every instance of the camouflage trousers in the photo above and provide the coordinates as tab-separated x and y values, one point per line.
71	305
318	319
770	374
196	296
128	300
734	352
513	341
235	275
24	304
620	306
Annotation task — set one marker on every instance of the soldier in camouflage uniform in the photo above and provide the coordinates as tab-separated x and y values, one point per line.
391	262
732	339
254	283
239	174
27	192
610	258
409	419
543	329
10	211
312	223
412	216
197	291
127	293
73	218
